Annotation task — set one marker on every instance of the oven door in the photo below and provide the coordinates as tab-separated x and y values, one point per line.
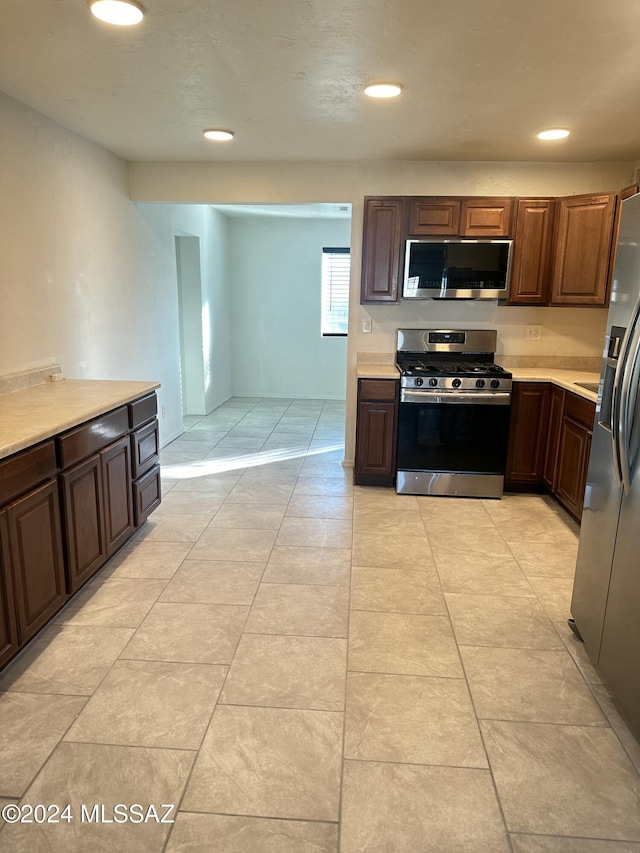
452	443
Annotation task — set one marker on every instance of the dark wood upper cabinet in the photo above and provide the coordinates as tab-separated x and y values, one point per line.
433	216
583	248
562	252
486	217
627	192
382	249
532	246
451	216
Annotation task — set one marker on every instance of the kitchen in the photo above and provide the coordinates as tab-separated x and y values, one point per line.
109	314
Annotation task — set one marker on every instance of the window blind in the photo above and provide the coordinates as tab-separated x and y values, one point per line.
336	268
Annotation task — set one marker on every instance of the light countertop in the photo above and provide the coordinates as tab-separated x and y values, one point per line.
377	371
566	379
34	414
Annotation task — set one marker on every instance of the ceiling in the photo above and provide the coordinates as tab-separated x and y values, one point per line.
480	77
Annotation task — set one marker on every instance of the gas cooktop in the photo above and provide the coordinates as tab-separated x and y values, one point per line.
441	359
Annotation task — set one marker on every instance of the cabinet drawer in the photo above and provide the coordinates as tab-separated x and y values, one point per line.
146	495
382	390
486	217
80	443
25	471
143	410
434	216
581	410
145	447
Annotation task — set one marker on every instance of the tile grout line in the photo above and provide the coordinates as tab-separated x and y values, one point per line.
475	713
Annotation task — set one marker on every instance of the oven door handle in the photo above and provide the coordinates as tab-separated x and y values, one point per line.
469	398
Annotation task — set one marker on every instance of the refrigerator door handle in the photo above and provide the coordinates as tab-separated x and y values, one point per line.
623	409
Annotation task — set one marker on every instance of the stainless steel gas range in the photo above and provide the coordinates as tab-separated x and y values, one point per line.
453	423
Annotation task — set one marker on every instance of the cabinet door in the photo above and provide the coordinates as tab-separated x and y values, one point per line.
116	481
531	263
375	444
34	557
439	217
583	248
382	249
486	217
573	459
84	520
8	628
553	442
527	433
376	428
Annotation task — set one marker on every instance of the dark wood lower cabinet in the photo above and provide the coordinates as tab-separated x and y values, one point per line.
549	443
376	428
556	409
147	494
573	461
8	628
84	520
115	462
33	559
528	433
66	505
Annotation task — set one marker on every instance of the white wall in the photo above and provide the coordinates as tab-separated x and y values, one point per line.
217	307
209	346
81	280
275	266
189	274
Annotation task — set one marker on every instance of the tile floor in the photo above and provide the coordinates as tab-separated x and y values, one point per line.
303	666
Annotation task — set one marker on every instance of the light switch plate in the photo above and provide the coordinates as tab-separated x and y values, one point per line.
366	326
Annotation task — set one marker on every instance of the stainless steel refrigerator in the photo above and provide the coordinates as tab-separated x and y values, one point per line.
606	593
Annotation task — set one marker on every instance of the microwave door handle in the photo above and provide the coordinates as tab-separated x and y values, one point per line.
622	409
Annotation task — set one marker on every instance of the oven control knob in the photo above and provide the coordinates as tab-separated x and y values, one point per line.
433	383
419	381
479	383
456	383
495	383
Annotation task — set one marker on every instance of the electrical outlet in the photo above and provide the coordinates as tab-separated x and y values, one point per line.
366	326
164	411
533	333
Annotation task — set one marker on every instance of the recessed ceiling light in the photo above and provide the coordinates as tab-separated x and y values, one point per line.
555	133
218	135
382	90
124	13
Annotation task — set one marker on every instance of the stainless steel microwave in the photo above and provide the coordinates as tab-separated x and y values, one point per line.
438	268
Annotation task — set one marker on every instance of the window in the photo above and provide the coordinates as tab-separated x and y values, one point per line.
336	266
